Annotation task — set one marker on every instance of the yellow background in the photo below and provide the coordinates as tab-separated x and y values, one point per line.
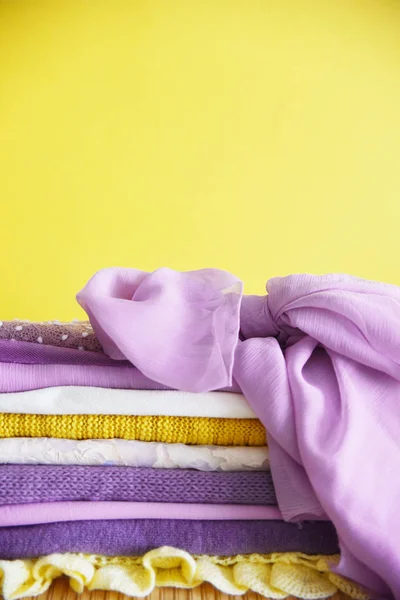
259	136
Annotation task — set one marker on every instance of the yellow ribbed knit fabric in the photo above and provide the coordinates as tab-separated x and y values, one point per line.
183	430
271	575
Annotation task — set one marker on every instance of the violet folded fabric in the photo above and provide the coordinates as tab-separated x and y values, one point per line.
318	359
26	366
53	512
135	537
30	353
17	377
20	377
22	484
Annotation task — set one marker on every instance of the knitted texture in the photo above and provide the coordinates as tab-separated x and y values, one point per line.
78	334
133	537
272	575
185	430
20	484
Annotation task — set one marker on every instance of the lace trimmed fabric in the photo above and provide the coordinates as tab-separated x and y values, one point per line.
78	335
272	575
115	452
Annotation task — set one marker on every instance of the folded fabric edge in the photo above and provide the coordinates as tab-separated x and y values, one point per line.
132	453
55	512
276	575
90	400
185	430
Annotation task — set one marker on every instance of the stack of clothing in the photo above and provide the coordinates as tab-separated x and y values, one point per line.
118	481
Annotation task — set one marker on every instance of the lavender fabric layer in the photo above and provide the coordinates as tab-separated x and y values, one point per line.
20	377
16	377
135	537
28	366
53	512
318	359
20	352
20	484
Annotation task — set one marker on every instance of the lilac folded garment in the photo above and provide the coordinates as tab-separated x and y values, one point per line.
135	537
28	366
23	377
318	359
13	351
21	484
53	512
17	377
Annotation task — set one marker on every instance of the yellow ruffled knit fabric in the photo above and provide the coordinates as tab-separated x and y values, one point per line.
271	575
183	430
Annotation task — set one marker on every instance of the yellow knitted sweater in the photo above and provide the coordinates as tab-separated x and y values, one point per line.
183	430
271	575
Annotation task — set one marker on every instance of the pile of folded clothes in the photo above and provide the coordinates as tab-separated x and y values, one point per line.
122	483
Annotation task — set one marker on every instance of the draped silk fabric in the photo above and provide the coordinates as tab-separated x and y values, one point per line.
318	359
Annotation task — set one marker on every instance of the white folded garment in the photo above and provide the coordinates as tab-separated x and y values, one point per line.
131	453
80	400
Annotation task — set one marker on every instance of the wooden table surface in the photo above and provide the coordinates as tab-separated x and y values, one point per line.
60	590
